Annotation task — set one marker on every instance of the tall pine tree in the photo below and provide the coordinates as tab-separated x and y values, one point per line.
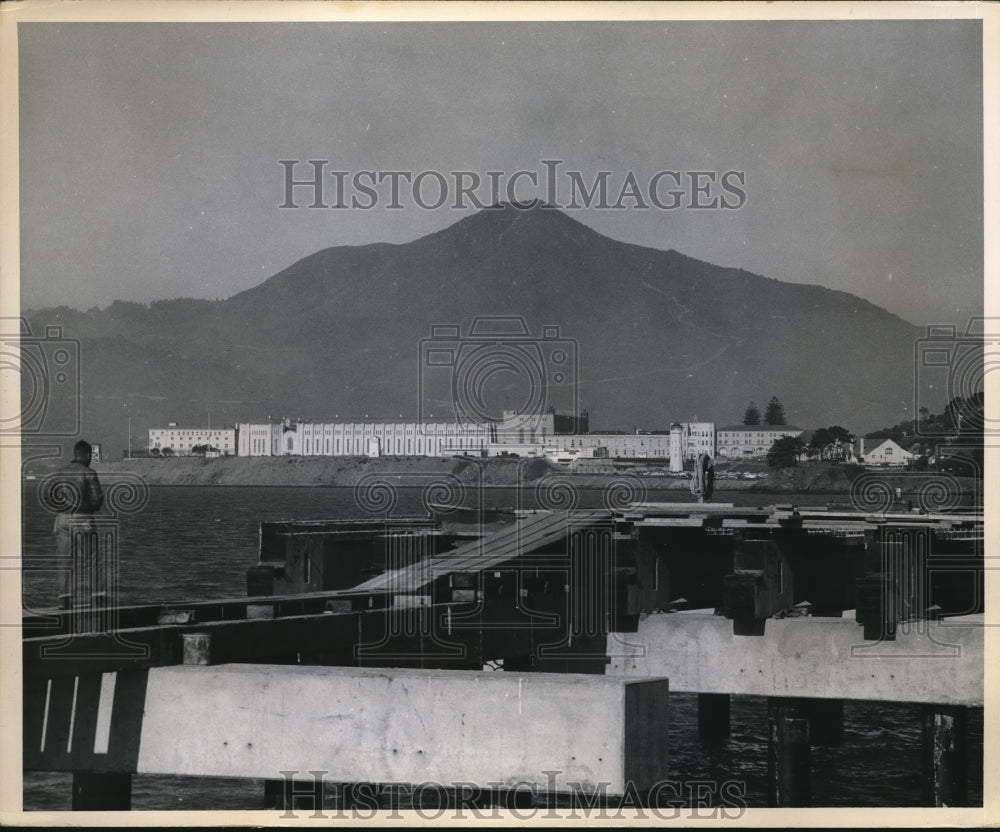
751	416
775	413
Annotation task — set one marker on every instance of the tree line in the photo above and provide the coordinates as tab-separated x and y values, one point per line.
954	434
197	450
833	443
774	413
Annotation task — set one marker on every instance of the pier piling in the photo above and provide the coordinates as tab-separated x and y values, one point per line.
713	716
826	717
945	755
101	792
789	763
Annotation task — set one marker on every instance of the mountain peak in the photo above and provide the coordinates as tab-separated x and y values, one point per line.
535	222
526	205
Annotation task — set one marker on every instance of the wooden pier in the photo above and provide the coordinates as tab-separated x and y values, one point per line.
807	607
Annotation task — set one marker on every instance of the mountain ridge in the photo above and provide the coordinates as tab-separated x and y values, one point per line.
661	336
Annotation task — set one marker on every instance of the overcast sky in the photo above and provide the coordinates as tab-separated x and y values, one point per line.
150	152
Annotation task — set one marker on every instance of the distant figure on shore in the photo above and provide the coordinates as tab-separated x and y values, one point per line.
80	496
703	478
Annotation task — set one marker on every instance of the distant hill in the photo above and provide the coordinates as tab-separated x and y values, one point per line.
661	336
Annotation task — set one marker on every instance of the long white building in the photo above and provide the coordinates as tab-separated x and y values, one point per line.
362	438
514	434
181	440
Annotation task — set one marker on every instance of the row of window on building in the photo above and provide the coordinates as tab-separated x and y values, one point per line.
183	441
512	434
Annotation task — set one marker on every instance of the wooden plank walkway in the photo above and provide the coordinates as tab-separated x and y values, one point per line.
530	534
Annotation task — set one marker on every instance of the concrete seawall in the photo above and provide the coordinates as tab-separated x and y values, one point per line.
814	477
324	471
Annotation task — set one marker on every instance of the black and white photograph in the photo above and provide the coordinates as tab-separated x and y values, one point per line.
497	413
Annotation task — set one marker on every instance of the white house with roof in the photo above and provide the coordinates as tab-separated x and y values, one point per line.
887	452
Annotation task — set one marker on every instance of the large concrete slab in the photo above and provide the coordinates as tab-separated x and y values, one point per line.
409	726
929	661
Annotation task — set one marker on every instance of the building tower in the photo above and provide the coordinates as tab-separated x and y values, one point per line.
676	447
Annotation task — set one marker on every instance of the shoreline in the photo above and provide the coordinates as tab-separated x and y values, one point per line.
495	472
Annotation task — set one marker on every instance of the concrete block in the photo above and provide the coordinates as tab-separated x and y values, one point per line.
412	726
932	662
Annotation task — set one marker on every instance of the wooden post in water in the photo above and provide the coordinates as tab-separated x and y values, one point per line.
713	716
274	794
945	755
826	721
789	763
826	717
101	792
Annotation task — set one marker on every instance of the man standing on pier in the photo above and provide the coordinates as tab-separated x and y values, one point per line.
703	478
78	494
